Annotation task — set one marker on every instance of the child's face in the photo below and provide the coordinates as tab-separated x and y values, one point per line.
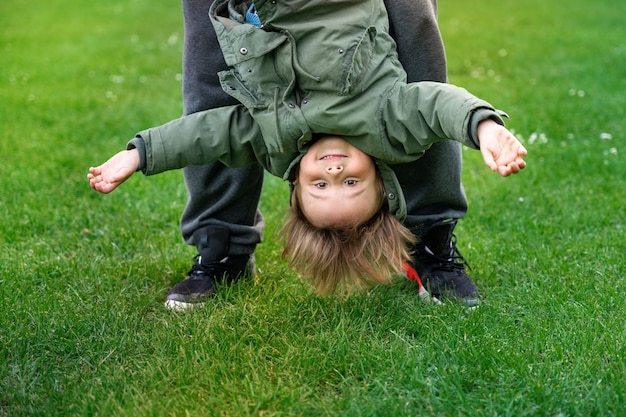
337	184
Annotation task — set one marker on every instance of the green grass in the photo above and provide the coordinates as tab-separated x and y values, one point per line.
83	276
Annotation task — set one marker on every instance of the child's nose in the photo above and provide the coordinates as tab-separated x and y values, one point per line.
334	169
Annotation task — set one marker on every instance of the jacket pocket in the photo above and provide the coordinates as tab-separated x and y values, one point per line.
357	60
235	87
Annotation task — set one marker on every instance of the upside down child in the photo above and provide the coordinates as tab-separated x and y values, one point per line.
327	108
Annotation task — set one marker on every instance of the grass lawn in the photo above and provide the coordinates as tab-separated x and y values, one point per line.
82	276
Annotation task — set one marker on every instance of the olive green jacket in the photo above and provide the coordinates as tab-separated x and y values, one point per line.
315	67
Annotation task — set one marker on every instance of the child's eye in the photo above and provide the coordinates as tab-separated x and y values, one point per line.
320	184
350	182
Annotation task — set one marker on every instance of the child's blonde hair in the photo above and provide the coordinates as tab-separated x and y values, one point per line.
348	257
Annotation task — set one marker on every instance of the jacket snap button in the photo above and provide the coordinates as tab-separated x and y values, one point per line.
391	196
291	105
341	50
243	51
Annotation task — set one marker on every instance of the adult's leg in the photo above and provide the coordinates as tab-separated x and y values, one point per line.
221	217
432	185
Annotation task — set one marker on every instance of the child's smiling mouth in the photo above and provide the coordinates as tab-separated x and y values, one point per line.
332	157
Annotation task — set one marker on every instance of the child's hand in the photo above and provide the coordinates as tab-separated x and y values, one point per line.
108	176
501	151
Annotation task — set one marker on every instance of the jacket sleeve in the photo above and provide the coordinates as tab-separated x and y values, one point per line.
227	134
427	112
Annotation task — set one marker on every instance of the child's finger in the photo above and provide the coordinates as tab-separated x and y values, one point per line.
512	168
522	151
490	161
505	170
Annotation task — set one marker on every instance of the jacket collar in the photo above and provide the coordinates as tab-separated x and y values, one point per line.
395	196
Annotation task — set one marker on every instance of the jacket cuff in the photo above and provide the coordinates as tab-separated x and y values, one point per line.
138	143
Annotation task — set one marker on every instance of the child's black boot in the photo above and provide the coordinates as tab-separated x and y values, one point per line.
441	267
212	267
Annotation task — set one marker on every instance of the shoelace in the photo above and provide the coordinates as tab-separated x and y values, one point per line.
215	269
455	260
